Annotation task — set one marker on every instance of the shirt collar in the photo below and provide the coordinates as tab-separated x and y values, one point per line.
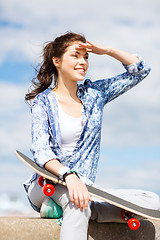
80	91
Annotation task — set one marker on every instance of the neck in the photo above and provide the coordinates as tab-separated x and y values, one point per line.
66	88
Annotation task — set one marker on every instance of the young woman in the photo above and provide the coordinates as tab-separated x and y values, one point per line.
66	129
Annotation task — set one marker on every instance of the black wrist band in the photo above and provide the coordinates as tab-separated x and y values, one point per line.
68	173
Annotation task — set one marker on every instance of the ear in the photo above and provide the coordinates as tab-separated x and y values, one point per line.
56	61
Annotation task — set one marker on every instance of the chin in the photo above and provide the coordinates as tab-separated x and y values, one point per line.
80	80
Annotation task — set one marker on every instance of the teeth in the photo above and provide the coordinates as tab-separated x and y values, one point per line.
80	69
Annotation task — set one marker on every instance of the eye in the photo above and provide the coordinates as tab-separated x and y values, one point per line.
74	55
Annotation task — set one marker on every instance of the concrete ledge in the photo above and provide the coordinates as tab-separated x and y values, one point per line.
17	228
121	231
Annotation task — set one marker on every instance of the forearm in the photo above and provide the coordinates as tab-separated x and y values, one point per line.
124	57
53	166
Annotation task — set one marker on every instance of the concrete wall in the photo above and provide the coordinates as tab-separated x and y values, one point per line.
16	228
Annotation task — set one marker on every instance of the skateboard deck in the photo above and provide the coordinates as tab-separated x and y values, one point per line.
102	195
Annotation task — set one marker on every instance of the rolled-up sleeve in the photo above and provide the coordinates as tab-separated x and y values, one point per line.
113	87
42	146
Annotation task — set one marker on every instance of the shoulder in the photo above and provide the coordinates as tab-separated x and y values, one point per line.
97	85
40	98
85	88
92	89
88	84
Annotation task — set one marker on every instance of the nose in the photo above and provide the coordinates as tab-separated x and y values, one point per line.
82	61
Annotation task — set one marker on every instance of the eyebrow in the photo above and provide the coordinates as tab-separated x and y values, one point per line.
86	54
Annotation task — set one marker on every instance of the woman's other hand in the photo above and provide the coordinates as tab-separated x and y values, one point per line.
78	192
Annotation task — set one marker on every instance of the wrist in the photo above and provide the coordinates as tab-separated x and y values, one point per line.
110	50
69	173
62	171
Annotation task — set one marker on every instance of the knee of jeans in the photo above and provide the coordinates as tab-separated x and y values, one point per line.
61	196
71	210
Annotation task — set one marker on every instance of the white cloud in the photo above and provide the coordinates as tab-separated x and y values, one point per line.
126	24
15	119
144	175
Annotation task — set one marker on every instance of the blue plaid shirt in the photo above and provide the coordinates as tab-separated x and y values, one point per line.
46	136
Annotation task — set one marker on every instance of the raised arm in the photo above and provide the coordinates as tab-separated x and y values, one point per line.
111	88
124	57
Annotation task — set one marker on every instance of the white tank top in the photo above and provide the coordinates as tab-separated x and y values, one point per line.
70	128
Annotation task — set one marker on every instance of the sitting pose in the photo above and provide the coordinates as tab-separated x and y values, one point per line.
66	130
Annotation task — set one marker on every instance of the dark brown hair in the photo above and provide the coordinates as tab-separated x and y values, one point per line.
47	70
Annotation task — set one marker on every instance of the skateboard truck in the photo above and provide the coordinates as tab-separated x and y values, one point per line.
128	217
48	188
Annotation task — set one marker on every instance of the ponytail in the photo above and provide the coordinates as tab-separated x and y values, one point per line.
44	76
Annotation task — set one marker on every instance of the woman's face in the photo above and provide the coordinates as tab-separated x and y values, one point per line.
74	63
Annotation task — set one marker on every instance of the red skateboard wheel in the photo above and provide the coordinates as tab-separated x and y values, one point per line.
126	215
133	223
48	189
40	181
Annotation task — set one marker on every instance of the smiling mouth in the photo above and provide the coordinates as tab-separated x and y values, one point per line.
81	70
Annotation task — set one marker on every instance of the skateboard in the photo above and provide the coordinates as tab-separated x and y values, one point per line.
47	180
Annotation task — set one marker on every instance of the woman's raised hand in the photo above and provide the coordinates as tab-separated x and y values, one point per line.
94	48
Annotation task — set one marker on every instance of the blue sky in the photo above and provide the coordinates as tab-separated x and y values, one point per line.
130	151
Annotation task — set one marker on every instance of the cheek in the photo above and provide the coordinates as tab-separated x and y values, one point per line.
69	63
66	66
